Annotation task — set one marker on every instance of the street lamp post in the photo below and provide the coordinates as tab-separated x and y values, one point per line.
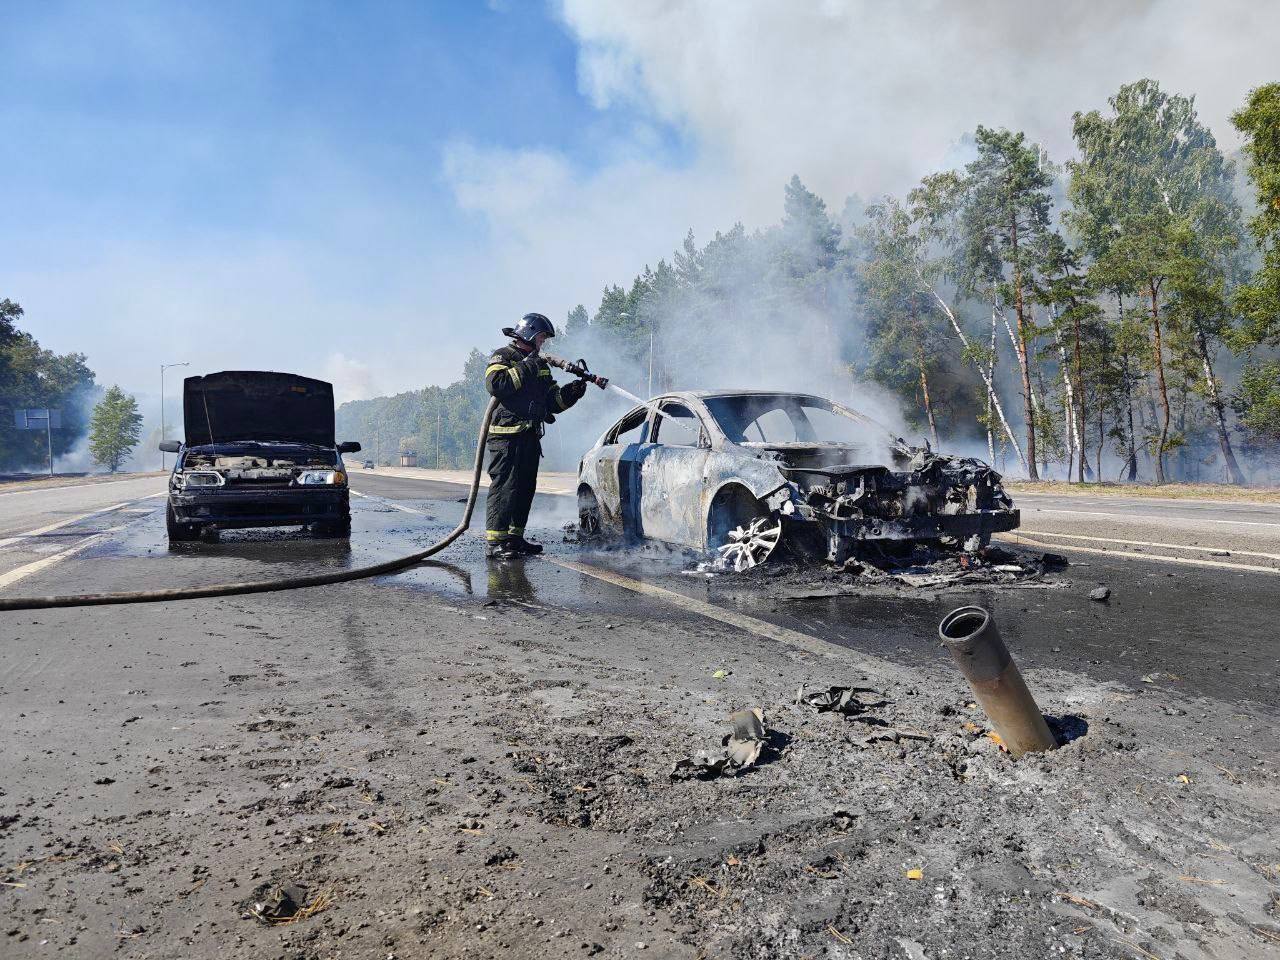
163	368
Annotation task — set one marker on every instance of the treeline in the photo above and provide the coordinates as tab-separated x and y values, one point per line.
1117	317
437	423
1111	318
32	377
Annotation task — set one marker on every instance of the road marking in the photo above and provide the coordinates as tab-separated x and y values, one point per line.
1149	516
40	531
1126	555
1140	501
760	628
20	573
389	503
81	486
1145	543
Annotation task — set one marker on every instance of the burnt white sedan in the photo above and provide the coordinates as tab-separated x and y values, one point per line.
744	472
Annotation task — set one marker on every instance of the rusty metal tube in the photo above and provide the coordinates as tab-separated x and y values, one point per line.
970	634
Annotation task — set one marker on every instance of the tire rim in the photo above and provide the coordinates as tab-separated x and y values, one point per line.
751	545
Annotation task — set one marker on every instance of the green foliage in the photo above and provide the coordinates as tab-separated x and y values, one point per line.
1257	402
115	429
32	377
1259	301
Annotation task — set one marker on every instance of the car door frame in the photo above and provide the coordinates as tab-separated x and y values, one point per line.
673	478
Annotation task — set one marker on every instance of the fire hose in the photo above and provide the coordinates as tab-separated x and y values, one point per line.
578	369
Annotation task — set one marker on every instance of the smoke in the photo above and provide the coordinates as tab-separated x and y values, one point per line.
351	379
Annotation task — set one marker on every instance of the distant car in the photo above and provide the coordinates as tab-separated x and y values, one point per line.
259	452
368	464
740	472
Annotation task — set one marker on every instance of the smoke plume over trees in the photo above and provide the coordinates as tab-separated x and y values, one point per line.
1111	318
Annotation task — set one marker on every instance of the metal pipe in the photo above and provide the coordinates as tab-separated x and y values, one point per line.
970	634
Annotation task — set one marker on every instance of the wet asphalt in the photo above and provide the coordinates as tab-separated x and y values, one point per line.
1182	630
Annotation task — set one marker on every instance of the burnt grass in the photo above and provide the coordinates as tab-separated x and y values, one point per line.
495	781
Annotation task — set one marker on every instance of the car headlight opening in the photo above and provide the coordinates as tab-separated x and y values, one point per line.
320	478
201	478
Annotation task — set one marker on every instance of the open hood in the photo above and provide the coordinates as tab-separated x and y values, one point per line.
257	405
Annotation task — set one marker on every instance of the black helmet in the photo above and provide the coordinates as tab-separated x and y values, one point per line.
530	325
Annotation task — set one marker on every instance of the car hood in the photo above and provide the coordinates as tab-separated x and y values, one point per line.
249	405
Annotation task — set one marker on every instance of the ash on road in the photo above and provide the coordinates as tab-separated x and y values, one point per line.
474	761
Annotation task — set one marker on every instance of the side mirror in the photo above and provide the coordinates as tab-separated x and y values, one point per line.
170	446
348	446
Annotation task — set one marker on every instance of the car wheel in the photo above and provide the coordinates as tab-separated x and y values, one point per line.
742	531
179	532
591	523
337	529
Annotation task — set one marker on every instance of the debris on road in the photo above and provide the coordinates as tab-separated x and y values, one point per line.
846	700
741	750
1100	593
287	903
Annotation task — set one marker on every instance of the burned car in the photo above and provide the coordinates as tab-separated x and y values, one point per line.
742	472
259	452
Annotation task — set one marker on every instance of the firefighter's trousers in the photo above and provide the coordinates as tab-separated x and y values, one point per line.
513	470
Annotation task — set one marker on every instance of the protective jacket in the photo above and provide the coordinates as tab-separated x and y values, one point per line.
525	391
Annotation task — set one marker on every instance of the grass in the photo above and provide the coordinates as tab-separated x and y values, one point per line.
1167	491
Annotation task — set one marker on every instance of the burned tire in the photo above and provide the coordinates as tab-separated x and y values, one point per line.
741	530
180	532
591	523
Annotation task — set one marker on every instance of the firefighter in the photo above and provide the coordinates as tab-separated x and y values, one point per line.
528	399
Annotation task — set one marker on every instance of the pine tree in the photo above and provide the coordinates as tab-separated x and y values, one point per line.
1145	172
115	428
1005	213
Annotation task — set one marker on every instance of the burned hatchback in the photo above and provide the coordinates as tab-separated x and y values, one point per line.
259	452
742	472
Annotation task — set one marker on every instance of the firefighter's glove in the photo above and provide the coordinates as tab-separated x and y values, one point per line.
572	392
530	367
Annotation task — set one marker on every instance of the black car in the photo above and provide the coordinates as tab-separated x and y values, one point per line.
259	452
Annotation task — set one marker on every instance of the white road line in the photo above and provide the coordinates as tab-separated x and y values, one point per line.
1145	543
1150	516
1126	555
389	503
20	573
81	486
760	628
40	531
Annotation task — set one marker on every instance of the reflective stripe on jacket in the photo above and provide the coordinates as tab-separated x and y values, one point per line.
525	390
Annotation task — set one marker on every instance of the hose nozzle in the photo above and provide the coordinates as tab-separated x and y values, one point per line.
577	368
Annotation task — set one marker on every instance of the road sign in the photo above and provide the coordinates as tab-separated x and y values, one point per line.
38	419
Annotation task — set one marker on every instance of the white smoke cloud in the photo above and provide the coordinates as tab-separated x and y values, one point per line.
351	379
857	95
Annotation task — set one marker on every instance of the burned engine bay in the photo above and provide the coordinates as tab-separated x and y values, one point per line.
261	464
953	501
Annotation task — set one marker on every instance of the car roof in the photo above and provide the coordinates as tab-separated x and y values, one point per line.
714	394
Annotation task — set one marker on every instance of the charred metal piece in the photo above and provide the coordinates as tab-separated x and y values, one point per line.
970	634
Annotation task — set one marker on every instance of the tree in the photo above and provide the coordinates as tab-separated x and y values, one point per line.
115	429
1005	211
902	335
936	206
1259	301
1145	172
32	377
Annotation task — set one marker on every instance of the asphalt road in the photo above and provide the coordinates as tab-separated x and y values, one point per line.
1193	598
166	761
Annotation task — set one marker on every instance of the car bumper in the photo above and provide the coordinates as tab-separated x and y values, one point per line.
226	508
926	527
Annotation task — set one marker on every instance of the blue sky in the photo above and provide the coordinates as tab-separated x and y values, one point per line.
363	191
177	172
